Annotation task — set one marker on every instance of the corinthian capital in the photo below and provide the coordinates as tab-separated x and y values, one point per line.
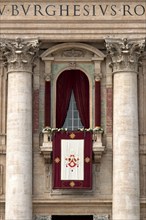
19	53
125	53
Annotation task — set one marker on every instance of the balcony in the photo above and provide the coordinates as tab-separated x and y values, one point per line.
47	144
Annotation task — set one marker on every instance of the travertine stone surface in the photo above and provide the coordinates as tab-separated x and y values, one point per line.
62	25
86	20
19	129
126	198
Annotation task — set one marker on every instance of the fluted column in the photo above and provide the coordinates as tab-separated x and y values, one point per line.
125	55
19	55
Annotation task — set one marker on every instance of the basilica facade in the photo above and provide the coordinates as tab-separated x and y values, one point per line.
72	110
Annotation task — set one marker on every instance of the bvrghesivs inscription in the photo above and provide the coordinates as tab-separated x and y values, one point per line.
76	10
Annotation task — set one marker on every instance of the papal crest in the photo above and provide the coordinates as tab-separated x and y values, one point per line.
72	161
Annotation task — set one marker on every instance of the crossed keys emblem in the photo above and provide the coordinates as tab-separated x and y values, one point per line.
72	161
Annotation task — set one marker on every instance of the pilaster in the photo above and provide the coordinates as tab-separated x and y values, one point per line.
3	96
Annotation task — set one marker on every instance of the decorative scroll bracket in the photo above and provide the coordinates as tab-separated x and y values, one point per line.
98	148
46	148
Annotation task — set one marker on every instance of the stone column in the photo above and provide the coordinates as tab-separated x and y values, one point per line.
125	55
19	55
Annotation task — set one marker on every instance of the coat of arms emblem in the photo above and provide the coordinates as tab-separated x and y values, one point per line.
72	161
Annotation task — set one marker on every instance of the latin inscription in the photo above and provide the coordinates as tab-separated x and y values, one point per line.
75	10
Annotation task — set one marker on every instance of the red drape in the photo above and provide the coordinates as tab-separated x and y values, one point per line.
81	93
97	104
76	81
78	184
47	103
64	88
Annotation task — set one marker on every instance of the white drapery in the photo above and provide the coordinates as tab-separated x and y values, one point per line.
72	159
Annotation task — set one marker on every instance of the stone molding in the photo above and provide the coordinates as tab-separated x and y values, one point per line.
125	53
95	217
19	53
78	51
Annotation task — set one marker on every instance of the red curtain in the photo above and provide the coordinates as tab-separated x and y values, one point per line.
47	103
76	81
64	89
81	93
97	103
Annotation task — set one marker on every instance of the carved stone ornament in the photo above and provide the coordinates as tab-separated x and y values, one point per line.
125	53
47	76
72	65
73	53
97	76
19	53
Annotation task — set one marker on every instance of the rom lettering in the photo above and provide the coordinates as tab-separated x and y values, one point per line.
138	10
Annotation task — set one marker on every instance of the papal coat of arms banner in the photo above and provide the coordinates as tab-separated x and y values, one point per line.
72	160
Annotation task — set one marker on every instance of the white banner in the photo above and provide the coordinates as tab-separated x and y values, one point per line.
72	159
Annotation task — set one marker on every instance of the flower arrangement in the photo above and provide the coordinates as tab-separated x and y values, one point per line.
51	130
47	129
96	129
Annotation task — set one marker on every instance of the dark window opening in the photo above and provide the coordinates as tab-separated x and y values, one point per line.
72	217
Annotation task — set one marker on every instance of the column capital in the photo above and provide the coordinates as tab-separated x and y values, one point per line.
19	53
125	53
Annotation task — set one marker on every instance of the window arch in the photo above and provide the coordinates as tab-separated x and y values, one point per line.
77	82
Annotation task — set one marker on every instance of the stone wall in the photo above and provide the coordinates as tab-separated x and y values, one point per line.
127	21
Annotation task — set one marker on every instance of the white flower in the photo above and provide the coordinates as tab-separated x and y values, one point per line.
47	129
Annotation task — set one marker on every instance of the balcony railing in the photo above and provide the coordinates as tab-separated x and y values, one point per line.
46	148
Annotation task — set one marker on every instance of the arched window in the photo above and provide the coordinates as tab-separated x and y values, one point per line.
72	87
